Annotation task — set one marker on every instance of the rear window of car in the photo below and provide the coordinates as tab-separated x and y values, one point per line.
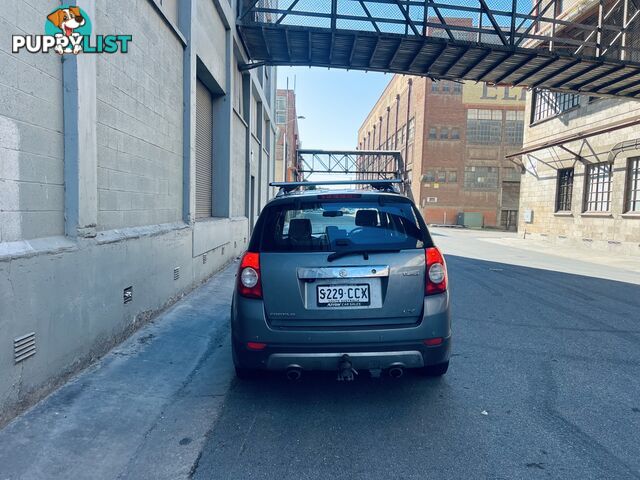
319	225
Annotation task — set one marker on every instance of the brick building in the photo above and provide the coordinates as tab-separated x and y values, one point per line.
581	155
453	138
287	137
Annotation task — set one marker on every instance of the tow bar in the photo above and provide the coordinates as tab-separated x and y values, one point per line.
346	371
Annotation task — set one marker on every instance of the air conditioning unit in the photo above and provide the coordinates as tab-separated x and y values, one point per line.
432	199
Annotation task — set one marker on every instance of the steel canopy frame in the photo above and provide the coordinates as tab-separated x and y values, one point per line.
361	165
592	47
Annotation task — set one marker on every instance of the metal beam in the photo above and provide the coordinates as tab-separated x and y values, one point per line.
609	71
455	61
590	132
549	76
434	59
431	4
408	19
495	25
515	68
283	16
477	62
492	67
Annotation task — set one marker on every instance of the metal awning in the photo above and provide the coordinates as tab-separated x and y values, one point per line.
581	135
590	48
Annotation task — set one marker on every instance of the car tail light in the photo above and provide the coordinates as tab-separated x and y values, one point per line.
433	342
436	272
249	282
256	345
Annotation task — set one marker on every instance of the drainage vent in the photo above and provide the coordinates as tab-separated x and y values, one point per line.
176	273
204	258
24	347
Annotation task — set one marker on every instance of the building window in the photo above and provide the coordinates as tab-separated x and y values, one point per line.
633	186
411	131
598	188
513	127
444	133
429	176
453	177
433	133
481	178
434	86
484	126
565	190
510	174
457	88
548	104
442	177
455	133
446	87
401	137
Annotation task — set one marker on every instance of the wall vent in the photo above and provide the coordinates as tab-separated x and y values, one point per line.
24	347
176	273
128	294
204	258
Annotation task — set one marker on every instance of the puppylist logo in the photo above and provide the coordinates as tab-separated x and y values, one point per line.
68	30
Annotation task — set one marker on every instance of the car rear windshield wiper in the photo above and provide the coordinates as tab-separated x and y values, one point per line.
360	251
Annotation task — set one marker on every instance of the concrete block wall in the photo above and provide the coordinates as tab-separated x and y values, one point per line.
139	120
614	231
66	282
31	130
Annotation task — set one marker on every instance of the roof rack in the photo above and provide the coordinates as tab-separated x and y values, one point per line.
382	185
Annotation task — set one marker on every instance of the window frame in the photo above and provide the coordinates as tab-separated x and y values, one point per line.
543	114
589	183
564	191
632	186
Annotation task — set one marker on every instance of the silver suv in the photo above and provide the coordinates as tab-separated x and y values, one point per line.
341	280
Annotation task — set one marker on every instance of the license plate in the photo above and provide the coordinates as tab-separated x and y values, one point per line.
343	295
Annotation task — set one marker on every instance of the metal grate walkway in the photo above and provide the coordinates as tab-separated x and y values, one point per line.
575	46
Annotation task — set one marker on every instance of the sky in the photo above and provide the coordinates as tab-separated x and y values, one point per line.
334	103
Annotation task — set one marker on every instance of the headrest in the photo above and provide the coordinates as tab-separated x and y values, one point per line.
367	218
300	229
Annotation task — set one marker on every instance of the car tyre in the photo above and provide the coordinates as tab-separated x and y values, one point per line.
437	370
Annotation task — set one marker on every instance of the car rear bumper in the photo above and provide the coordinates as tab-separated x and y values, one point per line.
328	357
321	349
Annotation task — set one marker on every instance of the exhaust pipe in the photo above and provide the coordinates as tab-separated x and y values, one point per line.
293	373
396	371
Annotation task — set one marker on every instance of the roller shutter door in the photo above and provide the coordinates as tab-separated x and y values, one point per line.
204	150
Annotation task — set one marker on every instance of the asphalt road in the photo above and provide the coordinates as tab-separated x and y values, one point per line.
544	383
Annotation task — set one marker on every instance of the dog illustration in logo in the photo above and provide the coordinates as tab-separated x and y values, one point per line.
67	20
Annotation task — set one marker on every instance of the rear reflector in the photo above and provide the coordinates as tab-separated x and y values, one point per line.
256	345
432	342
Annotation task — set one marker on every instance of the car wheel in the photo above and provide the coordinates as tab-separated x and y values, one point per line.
435	370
